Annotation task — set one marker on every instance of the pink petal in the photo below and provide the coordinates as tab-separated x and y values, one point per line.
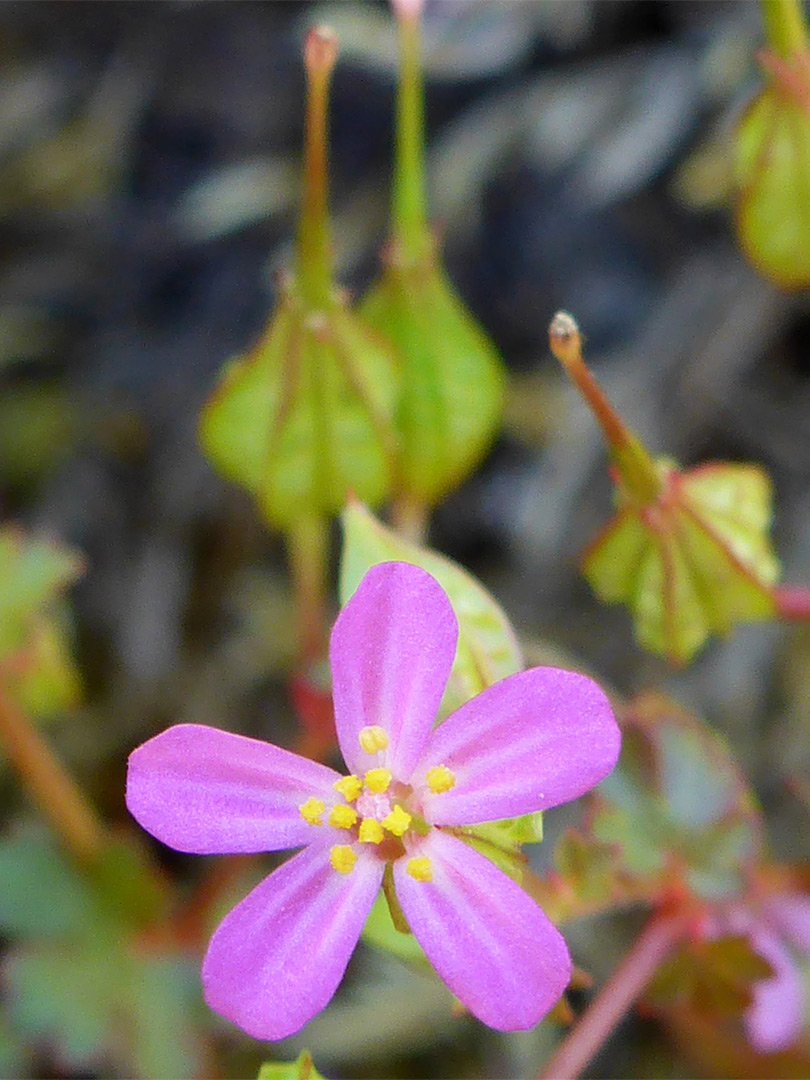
534	740
279	956
775	1017
790	913
391	653
489	941
207	791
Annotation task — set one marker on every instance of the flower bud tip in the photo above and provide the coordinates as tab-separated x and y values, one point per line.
320	50
408	9
564	338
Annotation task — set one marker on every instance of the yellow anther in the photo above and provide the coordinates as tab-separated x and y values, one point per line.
397	821
373	739
440	779
342	858
370	831
311	811
377	780
349	787
420	868
342	816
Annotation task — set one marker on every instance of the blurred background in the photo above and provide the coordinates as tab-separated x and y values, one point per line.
578	158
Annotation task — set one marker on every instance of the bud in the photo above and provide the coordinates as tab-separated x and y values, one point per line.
772	154
688	551
307	414
452	390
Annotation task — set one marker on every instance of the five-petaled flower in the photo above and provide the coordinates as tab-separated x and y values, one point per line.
536	739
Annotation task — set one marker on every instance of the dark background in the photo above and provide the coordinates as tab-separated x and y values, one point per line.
578	158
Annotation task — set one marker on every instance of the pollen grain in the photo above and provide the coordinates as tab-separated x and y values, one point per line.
311	811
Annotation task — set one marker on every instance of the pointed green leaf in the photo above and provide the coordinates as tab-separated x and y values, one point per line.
772	174
487	648
453	383
307	415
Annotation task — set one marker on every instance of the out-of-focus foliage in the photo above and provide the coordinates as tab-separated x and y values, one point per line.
82	980
35	626
674	815
694	562
772	174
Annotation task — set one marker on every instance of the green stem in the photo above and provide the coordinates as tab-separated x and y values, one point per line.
786	27
56	793
409	209
636	467
603	1014
308	549
409	517
314	263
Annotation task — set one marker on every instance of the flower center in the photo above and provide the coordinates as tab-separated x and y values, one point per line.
376	810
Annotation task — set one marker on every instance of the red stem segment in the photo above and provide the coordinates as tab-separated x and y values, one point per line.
614	999
58	796
792	602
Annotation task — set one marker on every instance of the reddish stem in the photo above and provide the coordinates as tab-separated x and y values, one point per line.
792	602
614	999
57	794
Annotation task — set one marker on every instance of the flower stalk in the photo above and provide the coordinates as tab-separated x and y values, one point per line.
314	246
623	987
56	793
308	551
409	205
636	467
785	27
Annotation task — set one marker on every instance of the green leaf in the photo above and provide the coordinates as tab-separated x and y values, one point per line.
694	562
300	1069
676	803
453	382
33	572
79	978
716	977
43	677
772	174
307	415
487	648
380	932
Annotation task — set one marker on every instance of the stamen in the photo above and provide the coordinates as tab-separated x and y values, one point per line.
440	779
420	868
349	787
342	816
311	811
370	831
397	821
373	738
377	780
342	858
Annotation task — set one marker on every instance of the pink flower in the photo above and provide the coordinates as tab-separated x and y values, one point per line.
777	925
537	739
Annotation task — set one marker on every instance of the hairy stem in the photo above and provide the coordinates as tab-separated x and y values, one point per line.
56	793
614	999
